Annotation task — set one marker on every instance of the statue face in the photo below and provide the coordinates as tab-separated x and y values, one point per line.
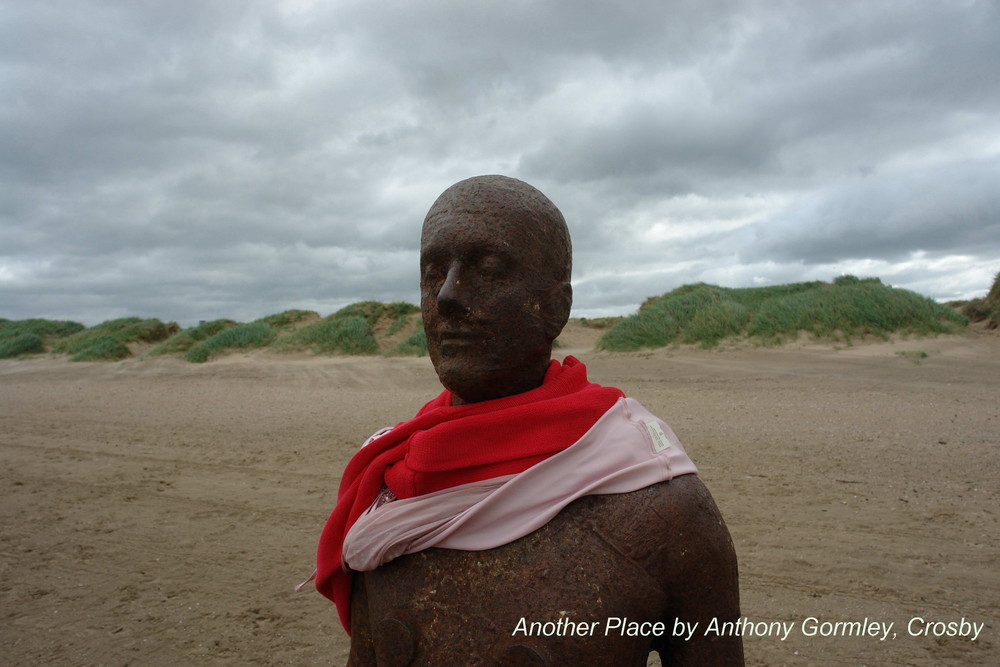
490	304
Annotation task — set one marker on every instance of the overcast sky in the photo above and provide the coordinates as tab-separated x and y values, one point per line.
199	159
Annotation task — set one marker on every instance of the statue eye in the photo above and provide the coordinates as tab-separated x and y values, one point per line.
491	266
432	274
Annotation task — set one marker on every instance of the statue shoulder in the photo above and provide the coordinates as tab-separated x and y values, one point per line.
659	526
696	568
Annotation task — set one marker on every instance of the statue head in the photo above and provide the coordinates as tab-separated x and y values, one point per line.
495	263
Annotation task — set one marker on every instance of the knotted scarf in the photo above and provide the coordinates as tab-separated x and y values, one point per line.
446	445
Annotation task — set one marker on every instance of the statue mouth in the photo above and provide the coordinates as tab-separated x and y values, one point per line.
459	335
454	342
456	347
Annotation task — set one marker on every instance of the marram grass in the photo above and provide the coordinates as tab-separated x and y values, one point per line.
23	337
697	314
848	308
184	340
242	336
124	330
987	308
16	346
414	345
348	331
337	334
288	318
373	311
38	327
103	347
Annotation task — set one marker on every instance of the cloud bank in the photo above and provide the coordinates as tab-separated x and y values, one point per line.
195	160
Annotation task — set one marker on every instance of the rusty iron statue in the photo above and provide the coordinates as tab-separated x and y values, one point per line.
562	569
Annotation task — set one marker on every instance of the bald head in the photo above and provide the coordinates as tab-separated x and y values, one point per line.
501	200
495	263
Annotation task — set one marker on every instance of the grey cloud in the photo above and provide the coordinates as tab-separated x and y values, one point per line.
251	156
945	210
245	281
806	93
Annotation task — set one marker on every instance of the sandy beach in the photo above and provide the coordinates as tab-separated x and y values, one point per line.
157	512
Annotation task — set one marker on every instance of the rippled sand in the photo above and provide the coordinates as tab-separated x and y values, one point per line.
159	512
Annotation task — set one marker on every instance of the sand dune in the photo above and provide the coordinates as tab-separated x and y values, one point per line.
160	512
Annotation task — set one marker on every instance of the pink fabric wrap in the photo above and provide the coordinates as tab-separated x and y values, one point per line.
627	449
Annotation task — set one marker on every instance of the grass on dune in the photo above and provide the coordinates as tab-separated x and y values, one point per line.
348	331
373	311
242	336
21	337
96	340
850	307
697	314
414	345
187	339
16	346
397	323
352	330
104	347
289	318
183	341
986	309
125	329
38	327
337	334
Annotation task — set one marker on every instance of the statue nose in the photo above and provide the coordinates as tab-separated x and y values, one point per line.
451	296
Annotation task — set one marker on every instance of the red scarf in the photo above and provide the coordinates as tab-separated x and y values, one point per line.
446	445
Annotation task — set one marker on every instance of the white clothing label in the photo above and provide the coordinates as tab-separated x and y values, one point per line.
656	434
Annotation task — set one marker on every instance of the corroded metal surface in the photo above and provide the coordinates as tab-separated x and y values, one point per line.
495	292
494	286
577	582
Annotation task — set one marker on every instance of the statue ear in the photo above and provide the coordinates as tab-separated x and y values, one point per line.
559	303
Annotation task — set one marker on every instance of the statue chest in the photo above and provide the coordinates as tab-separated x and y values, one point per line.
577	591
